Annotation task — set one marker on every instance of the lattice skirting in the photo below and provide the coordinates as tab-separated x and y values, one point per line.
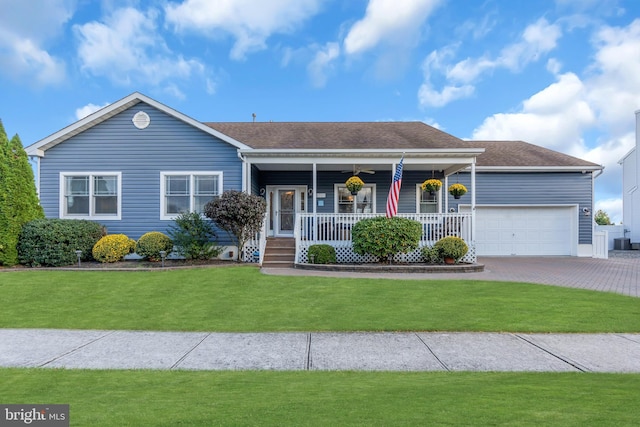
345	255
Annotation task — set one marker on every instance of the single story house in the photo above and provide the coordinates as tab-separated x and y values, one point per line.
135	164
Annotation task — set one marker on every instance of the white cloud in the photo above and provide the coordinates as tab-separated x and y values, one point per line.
128	50
25	32
250	22
537	39
389	22
84	111
322	64
613	208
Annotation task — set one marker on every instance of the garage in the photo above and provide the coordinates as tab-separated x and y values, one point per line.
526	230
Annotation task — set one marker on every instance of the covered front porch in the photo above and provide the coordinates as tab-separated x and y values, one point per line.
307	199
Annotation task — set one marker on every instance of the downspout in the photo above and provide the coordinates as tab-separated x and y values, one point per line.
244	174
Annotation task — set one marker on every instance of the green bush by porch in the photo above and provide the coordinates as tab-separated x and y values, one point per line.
385	237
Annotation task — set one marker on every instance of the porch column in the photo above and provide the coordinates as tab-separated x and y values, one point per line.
314	200
246	177
446	197
473	201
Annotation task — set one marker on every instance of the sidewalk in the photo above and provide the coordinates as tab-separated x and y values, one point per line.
421	351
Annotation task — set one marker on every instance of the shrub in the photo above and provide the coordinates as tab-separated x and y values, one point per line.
113	248
451	247
193	236
53	242
322	254
384	237
150	244
431	255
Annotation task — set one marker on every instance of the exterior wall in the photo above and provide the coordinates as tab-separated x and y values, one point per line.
544	188
115	145
327	180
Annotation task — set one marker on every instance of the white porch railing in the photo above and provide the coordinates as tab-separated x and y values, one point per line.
335	230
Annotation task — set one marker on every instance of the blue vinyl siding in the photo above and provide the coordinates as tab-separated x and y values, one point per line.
543	188
115	145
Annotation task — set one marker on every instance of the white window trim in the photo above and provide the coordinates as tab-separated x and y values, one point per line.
419	193
62	201
336	196
192	175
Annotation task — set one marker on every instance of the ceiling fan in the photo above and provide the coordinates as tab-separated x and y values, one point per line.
357	169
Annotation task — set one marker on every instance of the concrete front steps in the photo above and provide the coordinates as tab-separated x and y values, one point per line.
279	253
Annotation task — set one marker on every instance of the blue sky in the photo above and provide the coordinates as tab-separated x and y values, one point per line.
564	74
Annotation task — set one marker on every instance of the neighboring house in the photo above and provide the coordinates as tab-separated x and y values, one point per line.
135	164
630	192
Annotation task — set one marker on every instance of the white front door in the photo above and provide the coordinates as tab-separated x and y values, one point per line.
284	204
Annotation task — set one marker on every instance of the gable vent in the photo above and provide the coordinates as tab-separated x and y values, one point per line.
141	120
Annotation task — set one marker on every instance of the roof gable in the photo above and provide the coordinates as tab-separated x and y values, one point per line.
38	148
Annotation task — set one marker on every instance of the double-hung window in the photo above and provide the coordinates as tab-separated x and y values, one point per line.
187	192
90	195
362	202
427	202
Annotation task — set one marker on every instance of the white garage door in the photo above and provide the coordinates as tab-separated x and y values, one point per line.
526	230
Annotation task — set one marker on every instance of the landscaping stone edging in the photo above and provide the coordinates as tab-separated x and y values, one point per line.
394	268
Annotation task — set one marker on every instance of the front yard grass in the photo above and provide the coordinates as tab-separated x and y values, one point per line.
244	300
171	398
241	299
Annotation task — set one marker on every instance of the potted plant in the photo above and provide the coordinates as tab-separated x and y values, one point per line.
457	190
451	248
431	185
354	184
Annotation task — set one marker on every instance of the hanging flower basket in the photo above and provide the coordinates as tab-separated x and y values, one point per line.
431	185
457	190
354	184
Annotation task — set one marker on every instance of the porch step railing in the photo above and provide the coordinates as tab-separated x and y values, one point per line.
335	230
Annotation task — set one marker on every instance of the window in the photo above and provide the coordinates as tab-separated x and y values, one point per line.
90	195
363	202
187	191
428	203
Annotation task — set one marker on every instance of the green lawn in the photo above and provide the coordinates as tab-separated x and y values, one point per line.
170	398
243	299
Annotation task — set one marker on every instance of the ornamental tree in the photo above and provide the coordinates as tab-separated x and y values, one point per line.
19	202
239	214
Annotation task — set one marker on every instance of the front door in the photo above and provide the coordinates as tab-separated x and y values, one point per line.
284	204
286	211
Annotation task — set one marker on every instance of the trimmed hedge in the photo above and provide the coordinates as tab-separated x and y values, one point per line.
451	247
53	242
113	248
322	254
385	237
150	244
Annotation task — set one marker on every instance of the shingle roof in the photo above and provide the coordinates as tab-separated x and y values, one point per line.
523	154
338	135
389	135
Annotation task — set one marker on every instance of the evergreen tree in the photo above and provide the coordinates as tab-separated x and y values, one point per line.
19	202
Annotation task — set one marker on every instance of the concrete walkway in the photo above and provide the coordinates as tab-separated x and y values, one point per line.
320	351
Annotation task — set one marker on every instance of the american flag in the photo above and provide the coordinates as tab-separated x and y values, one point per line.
394	191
